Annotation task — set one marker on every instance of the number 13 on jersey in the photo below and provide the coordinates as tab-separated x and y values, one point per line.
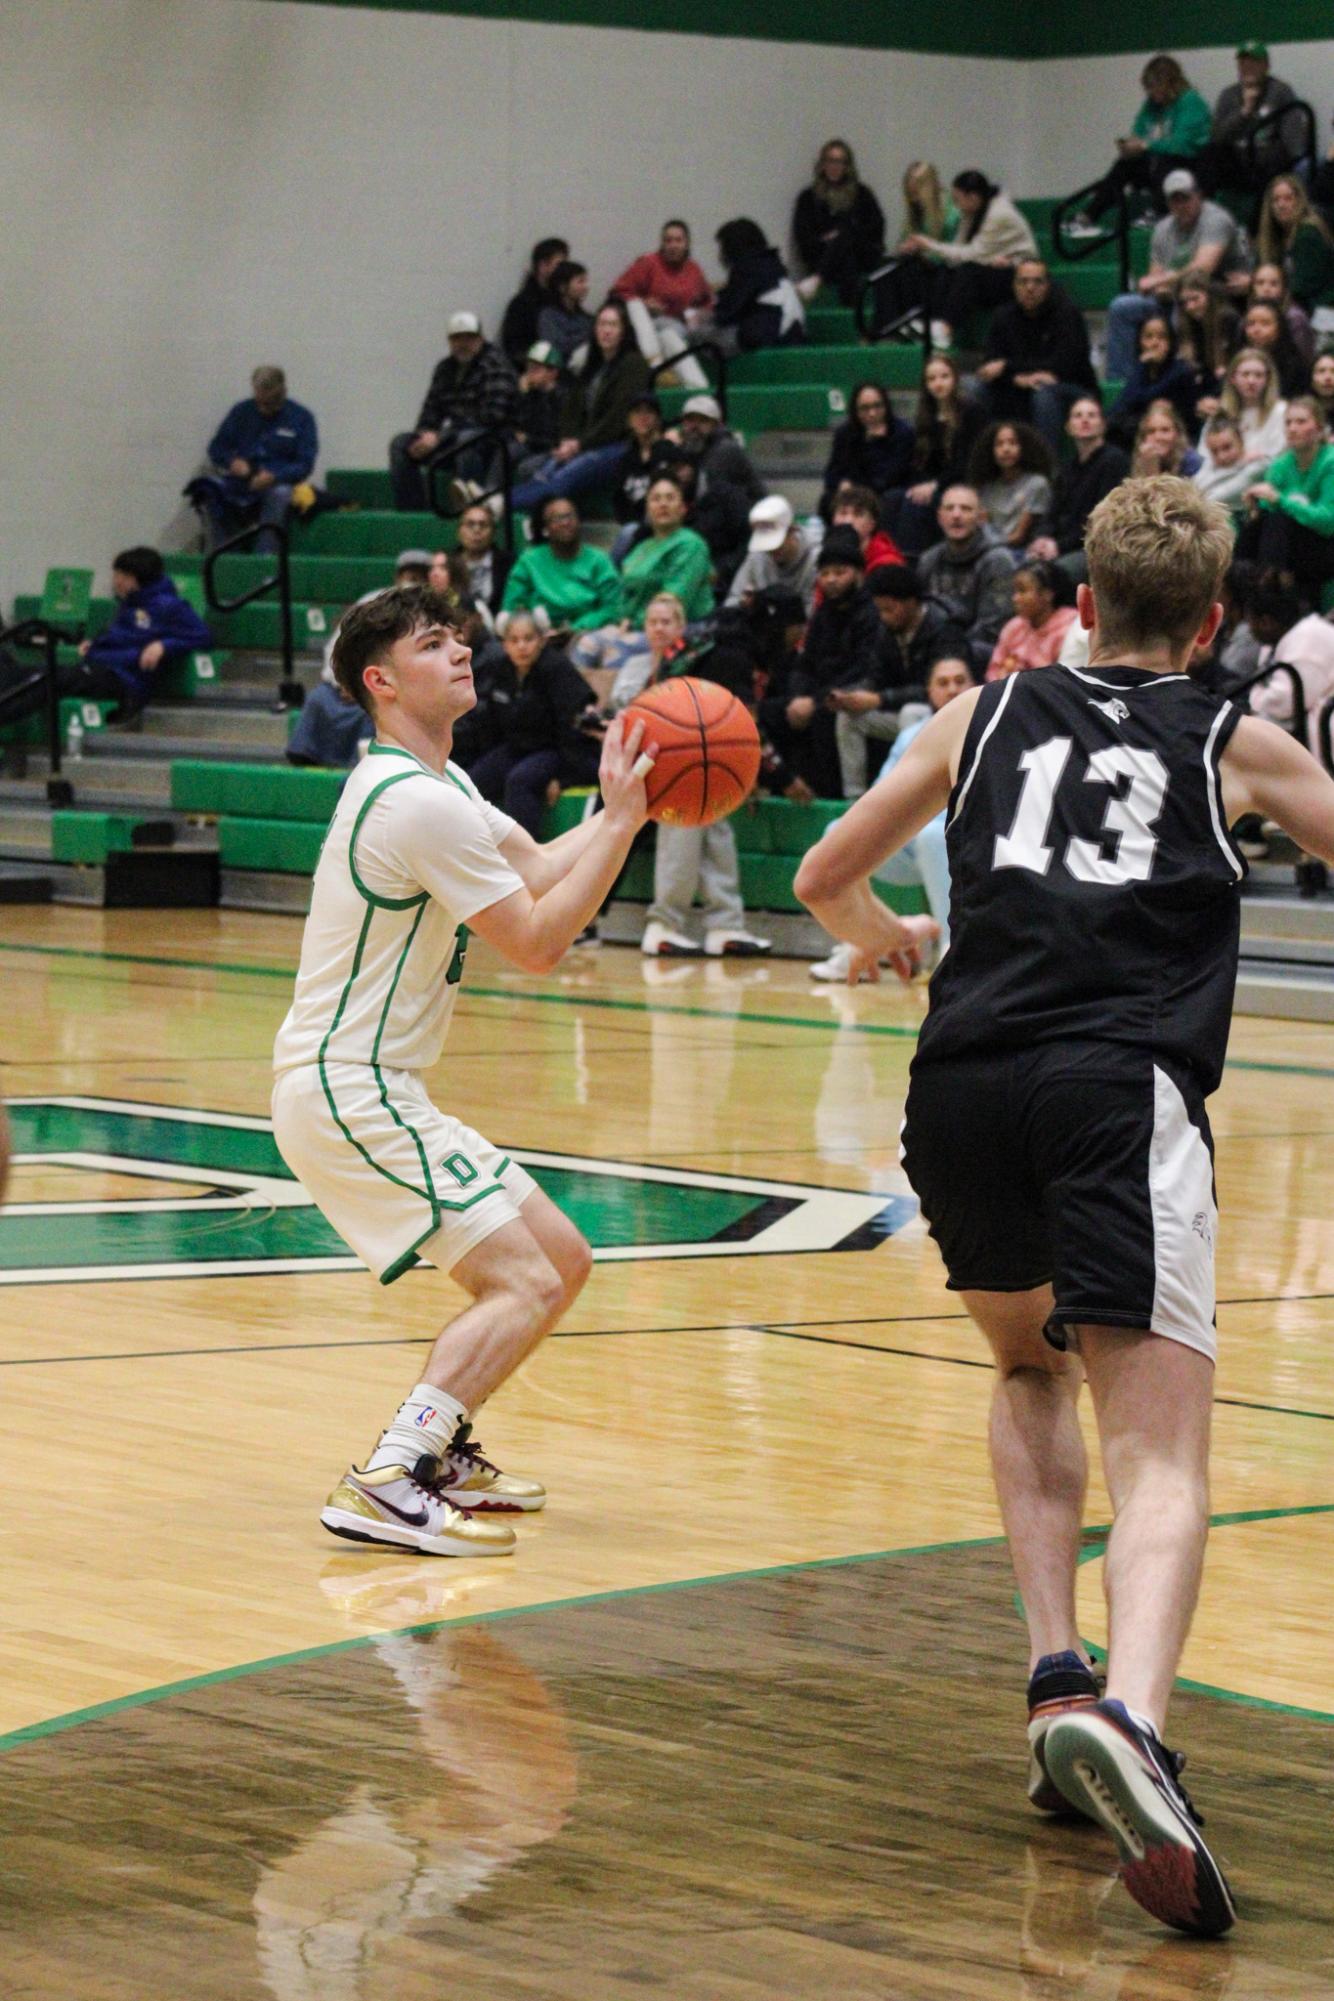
1129	817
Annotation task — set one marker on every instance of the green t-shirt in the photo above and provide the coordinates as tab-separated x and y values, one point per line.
679	562
1307	496
581	591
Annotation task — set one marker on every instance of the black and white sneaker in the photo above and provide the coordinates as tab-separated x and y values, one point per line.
1059	1682
1106	1765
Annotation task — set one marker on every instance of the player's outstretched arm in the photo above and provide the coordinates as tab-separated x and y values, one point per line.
834	878
1264	770
533	931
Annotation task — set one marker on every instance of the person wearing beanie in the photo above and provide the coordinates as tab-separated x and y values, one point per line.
970	572
844	651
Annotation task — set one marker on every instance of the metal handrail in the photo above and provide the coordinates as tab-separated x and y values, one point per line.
291	694
1324	724
1074	252
441	461
1299	108
717	354
1297	727
59	791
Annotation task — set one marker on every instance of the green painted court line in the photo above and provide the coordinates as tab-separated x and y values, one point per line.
97	1711
1097	1548
602	1003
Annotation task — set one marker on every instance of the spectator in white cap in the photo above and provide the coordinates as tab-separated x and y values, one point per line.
1195	236
331	730
473	389
781	551
668	298
717	454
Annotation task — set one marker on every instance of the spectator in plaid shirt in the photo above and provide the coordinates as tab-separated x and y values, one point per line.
472	389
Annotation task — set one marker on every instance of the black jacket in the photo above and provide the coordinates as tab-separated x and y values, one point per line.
597	406
935	457
739	303
908	663
1055	339
484	390
537	713
845	647
518	329
880	463
725	461
637	474
861	227
537	419
1077	490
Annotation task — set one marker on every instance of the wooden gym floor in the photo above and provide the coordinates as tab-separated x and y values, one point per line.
743	1717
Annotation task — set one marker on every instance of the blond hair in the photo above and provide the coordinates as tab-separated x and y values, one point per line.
1273	241
1231	397
925	212
673	603
1157	551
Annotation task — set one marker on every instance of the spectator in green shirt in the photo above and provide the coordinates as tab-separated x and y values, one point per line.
573	583
1292	508
1171	129
671	558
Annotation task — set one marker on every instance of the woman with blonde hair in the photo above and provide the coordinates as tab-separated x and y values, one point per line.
1295	236
1161	444
838	225
927	210
1251	398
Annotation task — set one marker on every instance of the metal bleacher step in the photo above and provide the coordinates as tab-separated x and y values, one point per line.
1287	954
241	724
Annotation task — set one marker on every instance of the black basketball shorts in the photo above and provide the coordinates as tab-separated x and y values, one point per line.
1086	1166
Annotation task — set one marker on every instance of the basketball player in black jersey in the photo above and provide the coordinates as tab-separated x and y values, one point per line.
1056	1131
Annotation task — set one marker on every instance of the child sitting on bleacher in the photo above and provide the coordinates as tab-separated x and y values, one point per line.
153	627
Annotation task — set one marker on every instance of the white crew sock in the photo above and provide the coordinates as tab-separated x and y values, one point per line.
424	1422
1149	1729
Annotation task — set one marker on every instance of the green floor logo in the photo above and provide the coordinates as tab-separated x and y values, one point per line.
214	1199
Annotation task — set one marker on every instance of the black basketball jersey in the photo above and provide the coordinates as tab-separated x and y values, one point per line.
1093	882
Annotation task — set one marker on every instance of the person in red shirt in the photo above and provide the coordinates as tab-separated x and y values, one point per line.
662	290
857	507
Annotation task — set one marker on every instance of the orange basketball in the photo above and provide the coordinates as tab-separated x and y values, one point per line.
705	746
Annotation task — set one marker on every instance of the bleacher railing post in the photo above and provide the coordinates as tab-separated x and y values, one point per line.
291	694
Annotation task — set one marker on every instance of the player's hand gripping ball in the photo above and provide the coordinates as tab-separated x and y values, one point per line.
705	749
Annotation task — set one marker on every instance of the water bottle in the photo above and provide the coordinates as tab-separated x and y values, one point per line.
74	737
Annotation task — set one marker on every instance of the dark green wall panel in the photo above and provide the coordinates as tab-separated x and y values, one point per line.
1014	28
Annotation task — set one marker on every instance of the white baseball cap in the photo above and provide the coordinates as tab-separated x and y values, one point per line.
770	521
463	323
1180	182
702	406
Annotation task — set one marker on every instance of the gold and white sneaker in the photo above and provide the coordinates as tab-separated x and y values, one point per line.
390	1506
469	1481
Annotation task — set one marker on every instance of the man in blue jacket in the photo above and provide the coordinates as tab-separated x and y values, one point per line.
262	449
152	628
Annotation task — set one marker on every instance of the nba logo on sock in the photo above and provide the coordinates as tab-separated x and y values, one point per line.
423	1418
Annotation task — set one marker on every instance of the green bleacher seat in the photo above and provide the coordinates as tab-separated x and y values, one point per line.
90	837
316	579
895	365
291	846
65	598
259	791
370	532
830	325
368	486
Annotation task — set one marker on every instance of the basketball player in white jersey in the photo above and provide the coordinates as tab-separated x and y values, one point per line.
1056	1130
414	860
